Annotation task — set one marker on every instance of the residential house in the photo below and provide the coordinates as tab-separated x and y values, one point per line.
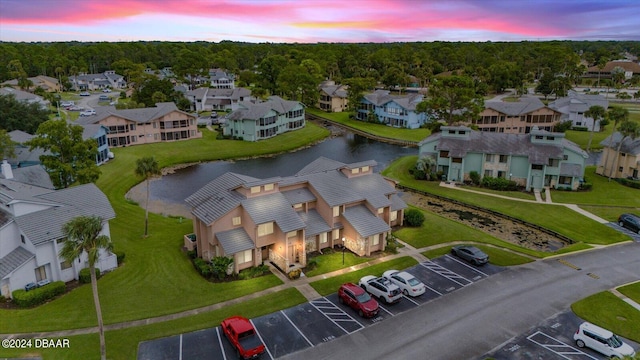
31	221
220	79
47	83
517	117
208	99
90	82
626	164
258	121
282	219
392	110
629	68
574	105
99	133
25	97
161	123
24	157
534	160
333	98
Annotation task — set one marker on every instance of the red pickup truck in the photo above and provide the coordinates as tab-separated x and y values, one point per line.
241	334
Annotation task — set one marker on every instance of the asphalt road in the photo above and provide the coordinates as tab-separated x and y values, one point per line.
486	314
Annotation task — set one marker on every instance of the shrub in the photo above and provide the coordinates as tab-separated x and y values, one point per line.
192	254
312	263
475	177
392	245
203	267
419	174
630	183
38	296
120	256
413	217
220	265
563	126
254	272
500	184
580	128
585	186
85	275
294	274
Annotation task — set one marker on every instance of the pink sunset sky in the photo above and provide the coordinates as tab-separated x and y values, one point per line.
311	21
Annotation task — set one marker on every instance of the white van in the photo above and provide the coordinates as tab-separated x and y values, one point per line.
602	341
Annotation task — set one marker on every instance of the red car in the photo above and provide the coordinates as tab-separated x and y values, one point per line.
241	334
358	299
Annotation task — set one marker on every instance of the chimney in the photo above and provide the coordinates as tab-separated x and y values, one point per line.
6	170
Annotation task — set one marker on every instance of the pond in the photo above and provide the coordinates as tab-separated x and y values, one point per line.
347	148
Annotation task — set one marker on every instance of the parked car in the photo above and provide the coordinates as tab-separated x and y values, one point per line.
85	93
408	284
381	288
66	104
104	98
87	112
75	108
242	336
471	254
214	115
602	341
630	221
106	90
358	299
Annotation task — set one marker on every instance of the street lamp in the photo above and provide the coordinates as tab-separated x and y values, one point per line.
343	251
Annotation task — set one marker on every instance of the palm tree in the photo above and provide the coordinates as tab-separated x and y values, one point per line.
616	114
83	236
596	112
147	167
628	129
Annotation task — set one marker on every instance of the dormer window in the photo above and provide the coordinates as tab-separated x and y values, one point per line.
355	171
255	189
365	169
268	187
551	138
461	132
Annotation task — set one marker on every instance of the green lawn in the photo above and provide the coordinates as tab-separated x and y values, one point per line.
553	217
156	273
631	291
333	260
604	192
497	256
331	285
607	310
123	344
375	129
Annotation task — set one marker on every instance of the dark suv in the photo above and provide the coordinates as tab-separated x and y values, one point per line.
358	299
630	221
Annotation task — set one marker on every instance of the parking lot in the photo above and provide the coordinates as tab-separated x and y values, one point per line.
552	339
318	321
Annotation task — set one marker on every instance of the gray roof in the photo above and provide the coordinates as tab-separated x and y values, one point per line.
90	131
381	97
12	190
320	164
234	241
365	222
397	203
82	200
33	175
576	102
299	196
273	207
5	217
314	222
20	95
335	90
568	169
217	197
20	136
629	146
525	105
142	116
14	260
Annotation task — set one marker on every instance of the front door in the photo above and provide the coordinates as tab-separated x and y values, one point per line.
292	254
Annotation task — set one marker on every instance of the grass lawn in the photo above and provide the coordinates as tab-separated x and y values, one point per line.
497	257
375	129
157	278
553	217
331	260
607	310
632	291
331	285
123	344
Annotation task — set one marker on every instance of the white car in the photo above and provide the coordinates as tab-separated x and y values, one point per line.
602	341
409	285
87	112
381	288
85	93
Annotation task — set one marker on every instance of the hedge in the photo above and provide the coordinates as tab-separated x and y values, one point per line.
38	296
85	275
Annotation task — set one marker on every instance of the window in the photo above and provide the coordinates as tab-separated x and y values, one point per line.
375	239
457	160
297	206
488	173
565	157
132	127
620	169
365	168
539	137
553	162
323	238
245	256
336	211
501	174
444	153
22	239
265	229
255	189
393	216
292	234
268	187
65	265
237	220
503	158
336	234
488	158
355	171
536	167
381	210
41	273
565	180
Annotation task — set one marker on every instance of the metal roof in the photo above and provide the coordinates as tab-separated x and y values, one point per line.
14	260
299	196
234	241
567	169
365	222
273	207
217	197
314	222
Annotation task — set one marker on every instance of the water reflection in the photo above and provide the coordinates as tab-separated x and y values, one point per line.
349	148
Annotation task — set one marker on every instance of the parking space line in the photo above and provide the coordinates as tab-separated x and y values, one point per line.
341	312
385	310
558	345
261	339
465	264
294	325
410	299
445	273
224	356
180	353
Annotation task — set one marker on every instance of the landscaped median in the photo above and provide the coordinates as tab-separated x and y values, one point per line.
557	218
